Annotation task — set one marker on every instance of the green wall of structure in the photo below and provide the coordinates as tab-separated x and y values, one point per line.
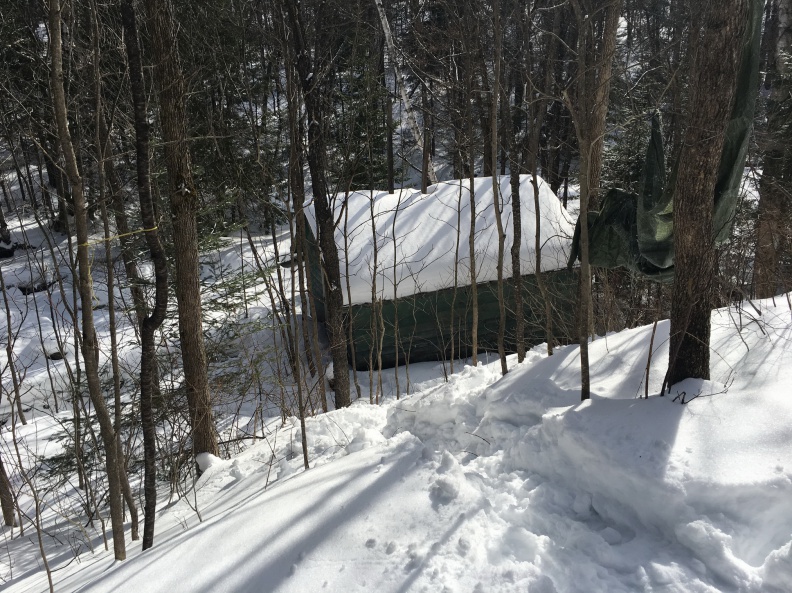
437	325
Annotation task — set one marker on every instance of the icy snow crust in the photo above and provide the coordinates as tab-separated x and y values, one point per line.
418	237
491	484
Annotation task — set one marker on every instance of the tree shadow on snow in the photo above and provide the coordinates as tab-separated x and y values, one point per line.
261	540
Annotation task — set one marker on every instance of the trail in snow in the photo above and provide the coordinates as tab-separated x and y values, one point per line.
489	484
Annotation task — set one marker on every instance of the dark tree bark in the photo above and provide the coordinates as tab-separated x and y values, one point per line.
597	25
388	106
474	308
496	193
149	323
6	497
313	76
773	229
716	35
519	309
184	206
517	77
425	153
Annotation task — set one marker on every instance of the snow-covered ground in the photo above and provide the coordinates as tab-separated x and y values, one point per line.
498	484
476	483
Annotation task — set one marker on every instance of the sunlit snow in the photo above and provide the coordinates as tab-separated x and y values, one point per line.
475	483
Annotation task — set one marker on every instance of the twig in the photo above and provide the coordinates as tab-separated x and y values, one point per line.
481	437
649	360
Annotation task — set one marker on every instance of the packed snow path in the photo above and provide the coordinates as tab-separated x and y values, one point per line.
489	484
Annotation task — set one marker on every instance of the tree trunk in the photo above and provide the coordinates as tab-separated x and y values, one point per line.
496	193
716	43
519	309
149	323
425	149
774	234
538	113
411	119
184	207
313	89
595	58
103	152
6	497
90	348
472	247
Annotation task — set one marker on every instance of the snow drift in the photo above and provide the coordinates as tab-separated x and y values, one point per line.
504	484
419	237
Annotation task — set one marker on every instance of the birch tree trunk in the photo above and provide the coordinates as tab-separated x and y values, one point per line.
397	74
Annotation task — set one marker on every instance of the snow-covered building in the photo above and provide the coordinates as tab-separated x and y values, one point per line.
407	256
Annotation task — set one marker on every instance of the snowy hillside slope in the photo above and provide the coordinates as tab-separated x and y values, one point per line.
490	484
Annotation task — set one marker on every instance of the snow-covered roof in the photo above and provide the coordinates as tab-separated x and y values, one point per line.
419	237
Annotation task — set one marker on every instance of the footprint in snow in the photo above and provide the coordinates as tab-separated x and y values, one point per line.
463	546
610	535
414	559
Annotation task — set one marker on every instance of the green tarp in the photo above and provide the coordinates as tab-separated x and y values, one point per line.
635	231
436	325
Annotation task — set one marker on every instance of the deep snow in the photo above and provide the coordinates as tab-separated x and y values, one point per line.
478	483
500	484
421	239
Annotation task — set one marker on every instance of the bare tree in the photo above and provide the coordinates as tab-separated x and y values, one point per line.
184	206
90	348
101	152
497	198
537	113
774	231
149	322
314	75
597	25
420	140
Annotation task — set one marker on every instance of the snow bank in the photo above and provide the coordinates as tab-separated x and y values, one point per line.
493	484
712	477
418	237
